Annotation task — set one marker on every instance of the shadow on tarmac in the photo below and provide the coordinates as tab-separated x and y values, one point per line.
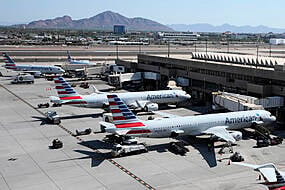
96	157
43	120
82	116
201	144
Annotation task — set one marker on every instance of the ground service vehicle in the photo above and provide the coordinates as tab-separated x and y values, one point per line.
53	117
44	105
121	150
178	148
56	143
23	78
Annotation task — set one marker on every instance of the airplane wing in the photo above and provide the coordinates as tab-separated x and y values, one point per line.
220	131
142	103
137	104
267	170
165	115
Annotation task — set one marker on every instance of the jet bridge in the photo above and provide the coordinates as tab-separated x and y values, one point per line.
238	102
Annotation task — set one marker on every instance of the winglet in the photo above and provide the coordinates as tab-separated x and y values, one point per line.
269	171
95	90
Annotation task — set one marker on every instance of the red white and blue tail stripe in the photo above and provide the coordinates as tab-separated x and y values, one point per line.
9	63
66	93
124	118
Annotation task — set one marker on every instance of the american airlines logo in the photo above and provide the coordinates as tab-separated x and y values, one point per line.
161	96
240	119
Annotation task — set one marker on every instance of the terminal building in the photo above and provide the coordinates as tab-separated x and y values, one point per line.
203	73
174	36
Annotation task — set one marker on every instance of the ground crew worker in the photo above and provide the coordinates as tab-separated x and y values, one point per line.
209	146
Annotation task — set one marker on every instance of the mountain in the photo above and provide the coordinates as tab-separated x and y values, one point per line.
223	28
102	21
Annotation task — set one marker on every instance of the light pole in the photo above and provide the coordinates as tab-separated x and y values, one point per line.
256	55
168	48
206	46
269	49
117	51
228	45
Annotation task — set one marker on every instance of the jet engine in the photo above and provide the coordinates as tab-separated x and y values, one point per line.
55	99
150	107
237	135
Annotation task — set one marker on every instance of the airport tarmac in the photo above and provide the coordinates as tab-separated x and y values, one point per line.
83	162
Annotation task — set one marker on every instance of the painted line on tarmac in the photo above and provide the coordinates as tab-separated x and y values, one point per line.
123	169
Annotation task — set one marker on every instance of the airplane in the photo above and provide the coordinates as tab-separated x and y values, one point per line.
79	62
37	70
125	123
147	100
274	178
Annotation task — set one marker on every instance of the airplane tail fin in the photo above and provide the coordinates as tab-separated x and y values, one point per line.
66	93
123	117
68	57
9	63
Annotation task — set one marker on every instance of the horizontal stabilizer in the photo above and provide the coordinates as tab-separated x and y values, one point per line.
122	132
106	124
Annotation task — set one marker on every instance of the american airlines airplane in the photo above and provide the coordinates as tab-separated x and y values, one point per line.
147	100
73	61
35	69
219	125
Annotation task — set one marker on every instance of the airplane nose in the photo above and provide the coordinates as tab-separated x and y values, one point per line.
187	96
273	118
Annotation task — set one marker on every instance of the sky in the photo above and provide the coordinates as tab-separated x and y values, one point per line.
215	12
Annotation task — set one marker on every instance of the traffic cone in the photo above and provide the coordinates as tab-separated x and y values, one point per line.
229	162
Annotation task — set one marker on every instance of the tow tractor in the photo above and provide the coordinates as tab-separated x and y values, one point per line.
53	117
178	148
124	145
56	143
84	132
43	105
236	157
122	150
